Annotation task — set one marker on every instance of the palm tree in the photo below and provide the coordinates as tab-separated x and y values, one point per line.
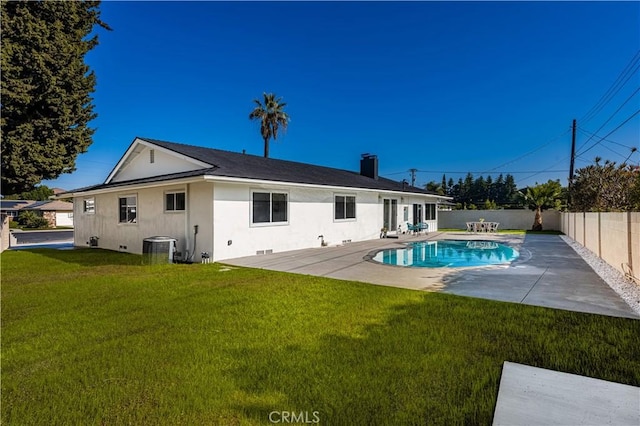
542	197
272	117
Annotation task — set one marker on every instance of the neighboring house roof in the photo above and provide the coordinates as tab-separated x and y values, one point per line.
247	166
14	204
55	205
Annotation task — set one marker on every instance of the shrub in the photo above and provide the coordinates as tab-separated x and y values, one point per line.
31	219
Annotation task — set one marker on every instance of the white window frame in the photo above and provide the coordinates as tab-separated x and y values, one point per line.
127	222
270	222
174	193
84	205
355	207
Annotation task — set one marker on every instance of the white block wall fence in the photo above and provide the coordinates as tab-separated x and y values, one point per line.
613	236
508	219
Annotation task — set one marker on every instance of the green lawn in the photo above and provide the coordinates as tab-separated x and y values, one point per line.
94	337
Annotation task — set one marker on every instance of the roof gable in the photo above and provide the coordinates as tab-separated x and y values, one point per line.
144	159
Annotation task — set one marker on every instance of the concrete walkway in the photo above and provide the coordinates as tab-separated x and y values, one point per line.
535	396
548	273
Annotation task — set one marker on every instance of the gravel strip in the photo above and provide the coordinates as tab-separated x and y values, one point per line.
626	288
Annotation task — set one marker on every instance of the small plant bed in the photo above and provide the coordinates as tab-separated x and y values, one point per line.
94	337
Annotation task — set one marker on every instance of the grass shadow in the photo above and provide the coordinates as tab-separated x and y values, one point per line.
434	362
77	256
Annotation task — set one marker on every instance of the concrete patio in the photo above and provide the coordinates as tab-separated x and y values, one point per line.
536	396
548	272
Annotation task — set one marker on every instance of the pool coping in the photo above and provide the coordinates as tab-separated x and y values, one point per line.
369	257
549	273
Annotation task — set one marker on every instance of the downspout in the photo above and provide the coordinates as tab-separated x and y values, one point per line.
187	221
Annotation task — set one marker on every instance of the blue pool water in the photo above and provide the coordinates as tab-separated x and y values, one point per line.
452	254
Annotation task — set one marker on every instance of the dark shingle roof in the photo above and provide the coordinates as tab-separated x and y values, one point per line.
238	165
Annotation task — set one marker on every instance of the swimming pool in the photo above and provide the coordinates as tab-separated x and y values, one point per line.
448	253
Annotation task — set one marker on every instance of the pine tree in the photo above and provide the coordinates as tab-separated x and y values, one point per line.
46	89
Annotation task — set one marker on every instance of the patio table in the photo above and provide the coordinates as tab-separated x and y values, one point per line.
482	226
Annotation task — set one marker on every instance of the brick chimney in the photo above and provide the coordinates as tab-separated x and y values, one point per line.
369	166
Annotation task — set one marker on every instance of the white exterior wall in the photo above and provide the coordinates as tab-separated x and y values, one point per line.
310	214
64	218
152	220
200	208
408	201
222	212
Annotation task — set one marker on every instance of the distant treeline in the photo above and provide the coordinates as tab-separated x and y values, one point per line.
480	192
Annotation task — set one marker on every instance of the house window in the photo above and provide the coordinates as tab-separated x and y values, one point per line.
417	214
128	209
174	201
430	212
269	207
89	205
344	207
152	156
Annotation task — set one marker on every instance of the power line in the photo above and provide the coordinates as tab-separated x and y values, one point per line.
528	153
610	117
611	132
610	93
587	133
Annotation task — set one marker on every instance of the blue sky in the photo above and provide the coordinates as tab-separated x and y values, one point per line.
442	87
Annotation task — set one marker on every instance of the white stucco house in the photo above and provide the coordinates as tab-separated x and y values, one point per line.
231	204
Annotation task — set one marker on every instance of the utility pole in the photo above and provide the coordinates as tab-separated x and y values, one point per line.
573	151
413	176
573	158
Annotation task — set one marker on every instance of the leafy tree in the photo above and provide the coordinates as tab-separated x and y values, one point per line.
499	192
490	192
39	193
479	190
510	190
542	197
46	88
272	117
490	205
31	219
443	184
606	187
434	187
